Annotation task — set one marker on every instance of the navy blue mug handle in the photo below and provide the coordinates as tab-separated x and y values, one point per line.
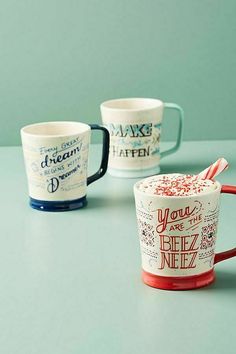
105	154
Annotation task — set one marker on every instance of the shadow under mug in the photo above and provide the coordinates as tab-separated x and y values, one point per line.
134	125
177	238
56	161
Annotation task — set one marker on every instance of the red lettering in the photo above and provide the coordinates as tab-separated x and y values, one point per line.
165	244
175	243
162	219
194	241
165	258
178	243
169	259
184	259
191	264
165	217
178	260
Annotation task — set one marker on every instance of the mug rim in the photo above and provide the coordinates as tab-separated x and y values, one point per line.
108	104
85	127
176	197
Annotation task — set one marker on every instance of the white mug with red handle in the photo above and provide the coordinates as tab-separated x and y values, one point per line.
178	236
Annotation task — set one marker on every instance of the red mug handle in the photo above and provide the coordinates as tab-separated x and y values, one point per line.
230	253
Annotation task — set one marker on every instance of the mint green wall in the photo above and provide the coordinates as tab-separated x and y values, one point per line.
60	59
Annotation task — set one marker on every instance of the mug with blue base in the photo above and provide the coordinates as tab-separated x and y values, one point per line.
56	160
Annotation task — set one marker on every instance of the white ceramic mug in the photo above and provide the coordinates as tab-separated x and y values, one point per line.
178	236
56	159
135	129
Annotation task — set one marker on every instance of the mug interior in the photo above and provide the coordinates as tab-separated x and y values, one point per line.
132	104
192	196
50	129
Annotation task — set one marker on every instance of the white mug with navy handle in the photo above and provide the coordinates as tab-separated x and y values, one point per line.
56	159
134	125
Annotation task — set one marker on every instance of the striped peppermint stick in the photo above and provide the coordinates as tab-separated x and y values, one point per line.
213	170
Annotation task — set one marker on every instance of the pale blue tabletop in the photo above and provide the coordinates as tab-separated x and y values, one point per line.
70	282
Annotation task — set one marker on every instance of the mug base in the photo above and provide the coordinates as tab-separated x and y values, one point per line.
133	173
66	205
179	283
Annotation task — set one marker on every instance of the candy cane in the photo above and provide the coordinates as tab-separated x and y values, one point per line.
213	170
